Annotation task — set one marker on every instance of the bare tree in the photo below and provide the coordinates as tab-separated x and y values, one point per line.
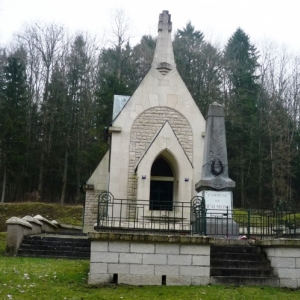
121	37
44	42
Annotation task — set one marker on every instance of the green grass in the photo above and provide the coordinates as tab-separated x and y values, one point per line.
34	278
37	278
2	243
66	214
51	279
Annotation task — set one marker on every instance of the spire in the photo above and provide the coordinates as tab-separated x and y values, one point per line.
163	59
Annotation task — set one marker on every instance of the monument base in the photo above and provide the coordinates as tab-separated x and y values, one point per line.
222	228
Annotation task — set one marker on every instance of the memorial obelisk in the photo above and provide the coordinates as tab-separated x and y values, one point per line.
215	162
215	185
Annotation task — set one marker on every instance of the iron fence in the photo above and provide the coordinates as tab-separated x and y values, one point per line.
193	218
136	215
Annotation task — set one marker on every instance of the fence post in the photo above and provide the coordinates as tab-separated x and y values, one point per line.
227	223
248	224
204	218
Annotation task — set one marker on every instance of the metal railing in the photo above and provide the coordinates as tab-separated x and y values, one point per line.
281	221
135	215
193	218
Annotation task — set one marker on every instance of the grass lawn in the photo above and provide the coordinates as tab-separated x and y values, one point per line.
37	278
28	278
67	214
50	279
33	278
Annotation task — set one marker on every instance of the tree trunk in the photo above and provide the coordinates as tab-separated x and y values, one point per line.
273	173
242	180
65	177
41	177
3	185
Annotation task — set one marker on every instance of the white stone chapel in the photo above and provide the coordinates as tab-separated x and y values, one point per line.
156	140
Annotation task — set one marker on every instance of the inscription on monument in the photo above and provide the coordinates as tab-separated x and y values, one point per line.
216	203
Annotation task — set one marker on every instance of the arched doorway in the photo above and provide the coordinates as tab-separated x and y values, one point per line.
161	185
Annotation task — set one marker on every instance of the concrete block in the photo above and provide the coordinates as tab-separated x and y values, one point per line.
118	268
178	280
99	246
105	257
200	280
269	251
198	260
139	279
131	258
46	224
194	271
179	260
167	249
283	262
286	252
16	230
99	278
166	270
98	268
118	247
298	262
195	249
289	283
141	269
142	248
154	259
36	224
284	273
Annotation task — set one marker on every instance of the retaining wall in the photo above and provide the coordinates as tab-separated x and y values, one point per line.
144	259
284	255
149	259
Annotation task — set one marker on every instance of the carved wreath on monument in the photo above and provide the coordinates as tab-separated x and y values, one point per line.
217	167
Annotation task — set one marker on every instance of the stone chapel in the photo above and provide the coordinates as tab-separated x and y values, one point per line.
156	139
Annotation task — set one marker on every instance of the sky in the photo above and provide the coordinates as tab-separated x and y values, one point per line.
272	20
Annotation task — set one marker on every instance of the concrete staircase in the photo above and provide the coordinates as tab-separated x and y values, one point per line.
240	265
56	246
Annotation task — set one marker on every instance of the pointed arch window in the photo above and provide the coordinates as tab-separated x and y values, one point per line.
161	185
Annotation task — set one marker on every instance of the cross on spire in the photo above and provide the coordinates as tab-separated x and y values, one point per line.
164	22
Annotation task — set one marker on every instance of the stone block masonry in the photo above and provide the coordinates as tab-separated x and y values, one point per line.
151	263
144	129
149	259
91	207
284	255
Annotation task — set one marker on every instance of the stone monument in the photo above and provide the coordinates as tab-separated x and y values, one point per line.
215	185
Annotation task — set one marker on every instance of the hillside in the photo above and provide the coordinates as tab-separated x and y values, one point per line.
71	215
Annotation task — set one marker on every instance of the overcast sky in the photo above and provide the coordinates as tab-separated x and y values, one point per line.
276	20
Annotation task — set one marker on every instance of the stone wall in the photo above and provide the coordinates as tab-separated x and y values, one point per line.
144	259
149	263
284	256
91	207
143	131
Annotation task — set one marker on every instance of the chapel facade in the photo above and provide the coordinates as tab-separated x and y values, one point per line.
156	140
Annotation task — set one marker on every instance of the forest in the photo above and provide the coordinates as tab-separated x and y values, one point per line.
56	97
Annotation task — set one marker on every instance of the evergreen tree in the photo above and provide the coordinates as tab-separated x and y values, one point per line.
13	122
59	111
199	65
187	44
240	61
142	56
81	74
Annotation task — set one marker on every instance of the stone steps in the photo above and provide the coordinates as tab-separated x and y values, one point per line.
240	265
245	281
56	246
235	264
